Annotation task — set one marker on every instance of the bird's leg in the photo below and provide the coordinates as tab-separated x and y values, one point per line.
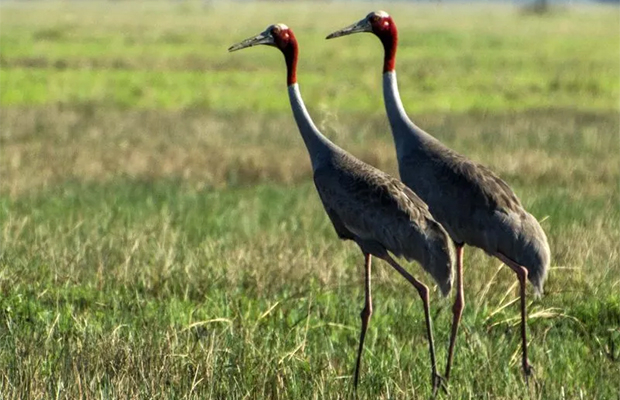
522	276
423	292
365	315
457	309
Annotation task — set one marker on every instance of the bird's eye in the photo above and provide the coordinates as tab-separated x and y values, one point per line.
374	18
275	30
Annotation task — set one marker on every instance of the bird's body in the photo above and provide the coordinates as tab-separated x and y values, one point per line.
378	212
478	208
473	204
370	207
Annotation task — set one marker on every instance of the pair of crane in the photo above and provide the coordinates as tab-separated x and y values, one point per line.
444	200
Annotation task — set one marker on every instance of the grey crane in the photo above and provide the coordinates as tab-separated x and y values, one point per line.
365	205
473	204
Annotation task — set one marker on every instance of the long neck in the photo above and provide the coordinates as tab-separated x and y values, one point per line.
290	57
393	105
319	147
389	39
405	132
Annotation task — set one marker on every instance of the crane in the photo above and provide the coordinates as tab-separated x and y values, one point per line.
473	204
366	205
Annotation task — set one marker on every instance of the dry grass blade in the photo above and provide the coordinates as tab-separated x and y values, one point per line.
207	322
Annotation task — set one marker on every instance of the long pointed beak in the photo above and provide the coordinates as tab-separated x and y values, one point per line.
360	26
263	38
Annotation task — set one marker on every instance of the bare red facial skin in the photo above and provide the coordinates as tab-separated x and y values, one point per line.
386	31
286	42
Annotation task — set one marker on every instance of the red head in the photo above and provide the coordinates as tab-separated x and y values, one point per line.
282	37
381	24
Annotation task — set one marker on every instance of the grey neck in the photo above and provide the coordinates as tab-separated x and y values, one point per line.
406	133
319	147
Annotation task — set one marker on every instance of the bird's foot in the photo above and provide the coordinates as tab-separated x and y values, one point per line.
439	382
528	371
530	377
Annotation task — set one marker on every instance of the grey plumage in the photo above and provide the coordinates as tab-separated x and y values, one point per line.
472	203
370	207
380	213
475	206
366	205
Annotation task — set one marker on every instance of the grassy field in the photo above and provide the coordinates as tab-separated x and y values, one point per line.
161	236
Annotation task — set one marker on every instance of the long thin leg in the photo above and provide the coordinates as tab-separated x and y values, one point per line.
457	309
522	276
423	291
365	315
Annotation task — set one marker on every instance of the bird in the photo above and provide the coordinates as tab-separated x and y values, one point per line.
376	211
469	200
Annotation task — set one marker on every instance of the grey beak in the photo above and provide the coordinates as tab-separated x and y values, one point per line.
360	26
263	38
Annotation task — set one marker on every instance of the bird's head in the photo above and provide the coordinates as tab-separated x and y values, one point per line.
277	35
378	22
382	25
282	37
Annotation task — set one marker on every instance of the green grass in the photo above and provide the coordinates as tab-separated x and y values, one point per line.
161	236
450	58
147	288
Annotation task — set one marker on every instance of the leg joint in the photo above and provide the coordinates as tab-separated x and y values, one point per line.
423	291
459	303
366	312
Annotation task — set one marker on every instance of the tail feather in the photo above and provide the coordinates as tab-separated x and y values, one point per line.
537	273
440	262
524	243
537	260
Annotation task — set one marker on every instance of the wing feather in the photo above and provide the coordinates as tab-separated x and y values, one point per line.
371	205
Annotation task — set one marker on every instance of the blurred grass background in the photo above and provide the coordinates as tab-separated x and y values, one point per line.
160	232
